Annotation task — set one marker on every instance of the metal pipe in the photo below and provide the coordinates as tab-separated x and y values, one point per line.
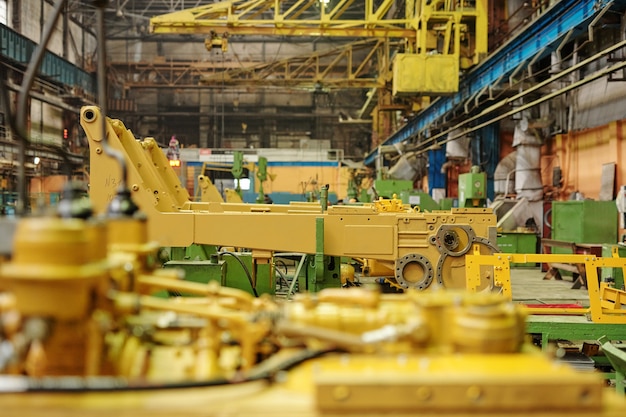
22	105
596	19
102	94
508	180
526	106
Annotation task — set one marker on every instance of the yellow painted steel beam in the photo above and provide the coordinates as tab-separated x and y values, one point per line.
606	304
301	18
345	67
559	311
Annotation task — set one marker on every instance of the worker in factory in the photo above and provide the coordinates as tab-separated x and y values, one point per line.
173	151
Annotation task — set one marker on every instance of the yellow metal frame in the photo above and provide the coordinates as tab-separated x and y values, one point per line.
405	240
606	304
246	17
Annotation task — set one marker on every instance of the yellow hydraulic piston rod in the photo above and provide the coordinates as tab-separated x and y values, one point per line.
419	249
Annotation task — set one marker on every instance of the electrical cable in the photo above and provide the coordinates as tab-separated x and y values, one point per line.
282	276
245	268
23	384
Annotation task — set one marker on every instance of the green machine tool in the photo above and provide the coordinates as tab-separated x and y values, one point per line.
473	188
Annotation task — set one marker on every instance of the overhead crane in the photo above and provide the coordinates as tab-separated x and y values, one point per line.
439	39
437	34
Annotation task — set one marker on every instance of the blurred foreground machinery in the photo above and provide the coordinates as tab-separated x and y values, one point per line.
413	250
83	333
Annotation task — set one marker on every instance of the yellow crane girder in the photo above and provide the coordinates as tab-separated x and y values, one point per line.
288	18
364	64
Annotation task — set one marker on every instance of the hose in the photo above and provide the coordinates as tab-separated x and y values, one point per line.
245	268
77	384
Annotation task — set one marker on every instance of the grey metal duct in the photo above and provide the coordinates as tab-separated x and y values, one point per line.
458	148
528	162
503	176
408	167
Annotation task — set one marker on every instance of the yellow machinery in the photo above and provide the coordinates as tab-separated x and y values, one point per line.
606	303
207	191
88	337
440	36
417	250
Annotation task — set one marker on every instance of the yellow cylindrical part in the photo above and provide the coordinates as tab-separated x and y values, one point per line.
55	267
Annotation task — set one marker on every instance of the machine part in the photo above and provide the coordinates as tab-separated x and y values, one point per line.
261	175
389	188
53	258
419	200
487	327
617	358
606	303
392	205
454	240
451	271
55	275
74	203
347	275
208	191
414	271
585	221
473	188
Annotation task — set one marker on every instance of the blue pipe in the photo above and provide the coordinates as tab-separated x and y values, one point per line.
542	34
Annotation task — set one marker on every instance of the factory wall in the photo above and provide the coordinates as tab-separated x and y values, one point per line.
30	17
598	103
79	44
46	123
581	154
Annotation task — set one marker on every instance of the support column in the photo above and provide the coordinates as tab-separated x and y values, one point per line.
204	121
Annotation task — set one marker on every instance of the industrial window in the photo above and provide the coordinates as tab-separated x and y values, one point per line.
3	12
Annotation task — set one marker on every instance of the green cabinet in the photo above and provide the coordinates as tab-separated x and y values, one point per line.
518	242
584	221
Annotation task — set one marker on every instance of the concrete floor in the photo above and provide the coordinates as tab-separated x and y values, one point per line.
528	286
